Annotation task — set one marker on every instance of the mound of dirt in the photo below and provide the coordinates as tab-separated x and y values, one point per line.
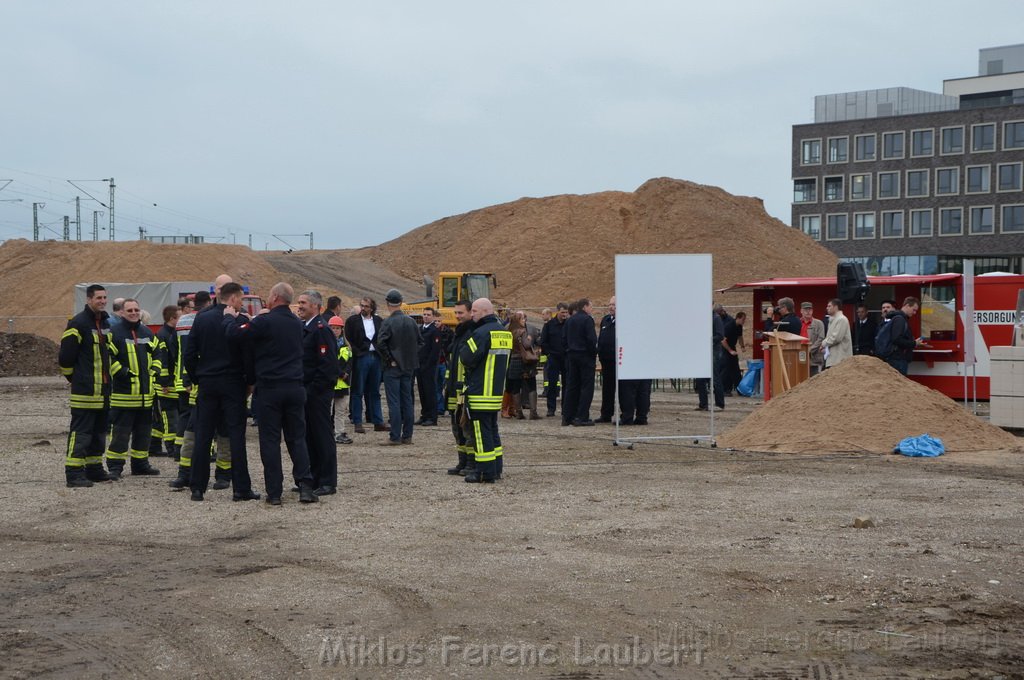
38	278
862	405
27	354
548	249
337	272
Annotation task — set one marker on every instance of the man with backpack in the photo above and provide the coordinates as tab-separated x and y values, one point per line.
895	342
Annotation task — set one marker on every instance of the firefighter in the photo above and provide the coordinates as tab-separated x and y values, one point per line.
85	361
485	355
276	339
454	387
133	361
165	406
319	374
220	374
188	394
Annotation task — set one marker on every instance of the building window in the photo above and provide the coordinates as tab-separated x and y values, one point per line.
1009	177
920	222
947	181
952	140
834	189
917	183
805	190
1013	135
979	179
864	148
981	220
810	153
892	145
811	225
837	228
860	187
892	224
1012	218
864	225
922	142
951	221
983	137
838	149
889	185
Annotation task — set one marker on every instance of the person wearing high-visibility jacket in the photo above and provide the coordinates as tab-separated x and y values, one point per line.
340	405
485	355
133	361
165	406
454	398
84	360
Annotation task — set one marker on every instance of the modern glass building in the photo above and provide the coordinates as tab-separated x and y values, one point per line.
912	182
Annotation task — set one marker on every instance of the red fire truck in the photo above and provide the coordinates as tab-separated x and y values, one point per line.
939	363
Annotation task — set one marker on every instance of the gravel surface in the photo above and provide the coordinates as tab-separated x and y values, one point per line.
588	561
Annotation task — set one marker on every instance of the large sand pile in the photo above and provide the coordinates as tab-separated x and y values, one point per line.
38	278
562	247
862	405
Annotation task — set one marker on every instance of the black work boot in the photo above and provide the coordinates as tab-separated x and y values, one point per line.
96	473
460	466
483	474
183	478
221	479
114	469
141	466
75	478
306	494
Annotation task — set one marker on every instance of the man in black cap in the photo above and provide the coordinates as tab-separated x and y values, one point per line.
399	344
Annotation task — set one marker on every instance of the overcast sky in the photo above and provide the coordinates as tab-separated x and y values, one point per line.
361	121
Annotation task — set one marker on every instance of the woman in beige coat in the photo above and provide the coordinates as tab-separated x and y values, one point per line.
838	343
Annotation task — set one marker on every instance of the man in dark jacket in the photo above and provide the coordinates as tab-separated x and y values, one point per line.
399	345
902	337
864	329
276	341
581	365
702	384
606	349
220	374
361	333
320	372
552	343
84	360
789	322
426	373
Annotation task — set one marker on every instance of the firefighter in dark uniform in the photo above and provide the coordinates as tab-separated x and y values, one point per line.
552	342
220	376
276	341
133	361
185	437
165	406
606	350
320	372
85	361
485	355
453	390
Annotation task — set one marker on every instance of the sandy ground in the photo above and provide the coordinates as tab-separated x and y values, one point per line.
587	561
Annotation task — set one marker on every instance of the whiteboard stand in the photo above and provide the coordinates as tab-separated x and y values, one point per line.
663	327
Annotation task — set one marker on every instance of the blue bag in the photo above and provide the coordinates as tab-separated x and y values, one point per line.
751	380
925	446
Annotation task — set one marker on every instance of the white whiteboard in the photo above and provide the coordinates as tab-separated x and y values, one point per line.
663	316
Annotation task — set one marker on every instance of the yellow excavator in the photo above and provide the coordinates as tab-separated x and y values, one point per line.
451	287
